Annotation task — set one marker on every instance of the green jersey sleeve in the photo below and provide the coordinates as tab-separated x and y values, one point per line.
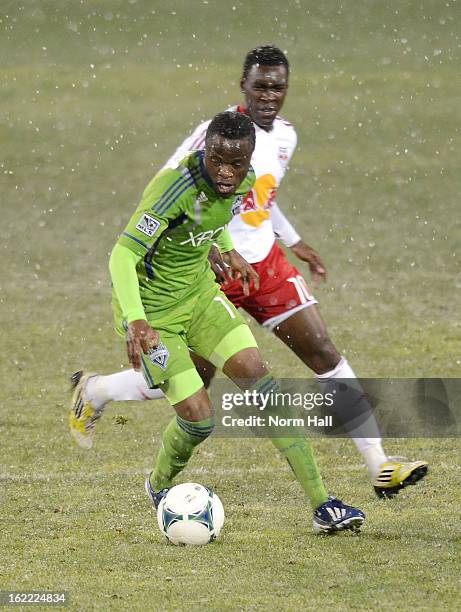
161	203
122	266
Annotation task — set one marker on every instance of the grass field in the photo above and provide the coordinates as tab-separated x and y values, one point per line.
95	96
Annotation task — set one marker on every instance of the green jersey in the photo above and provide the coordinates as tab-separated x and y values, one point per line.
178	219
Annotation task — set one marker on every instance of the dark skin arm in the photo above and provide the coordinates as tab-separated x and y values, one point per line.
306	253
233	265
217	265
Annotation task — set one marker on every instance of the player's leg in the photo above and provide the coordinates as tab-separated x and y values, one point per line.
219	334
91	393
94	391
193	423
248	371
124	386
305	334
171	368
285	305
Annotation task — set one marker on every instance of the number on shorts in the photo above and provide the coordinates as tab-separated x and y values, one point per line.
222	301
301	288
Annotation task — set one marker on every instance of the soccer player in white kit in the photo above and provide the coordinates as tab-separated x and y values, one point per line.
283	303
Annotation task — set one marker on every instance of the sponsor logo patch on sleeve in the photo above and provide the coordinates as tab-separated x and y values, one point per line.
147	225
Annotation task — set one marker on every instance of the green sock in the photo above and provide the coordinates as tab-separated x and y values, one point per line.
178	443
297	451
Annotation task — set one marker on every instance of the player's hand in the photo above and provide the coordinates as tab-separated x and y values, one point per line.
140	338
217	265
240	268
306	253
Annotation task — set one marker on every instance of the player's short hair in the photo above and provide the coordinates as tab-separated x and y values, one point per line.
266	55
231	125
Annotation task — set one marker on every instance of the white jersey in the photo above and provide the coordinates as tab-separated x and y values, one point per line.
253	230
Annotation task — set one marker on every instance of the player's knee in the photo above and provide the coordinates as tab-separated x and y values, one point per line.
196	407
245	365
196	413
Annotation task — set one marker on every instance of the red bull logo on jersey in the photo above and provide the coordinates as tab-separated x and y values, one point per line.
201	237
257	204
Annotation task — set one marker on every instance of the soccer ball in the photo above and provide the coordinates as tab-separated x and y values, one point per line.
190	514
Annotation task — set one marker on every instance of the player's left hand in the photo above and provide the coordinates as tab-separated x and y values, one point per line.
240	268
217	265
306	253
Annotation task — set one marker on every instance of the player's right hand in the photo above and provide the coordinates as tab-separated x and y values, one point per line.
316	266
140	338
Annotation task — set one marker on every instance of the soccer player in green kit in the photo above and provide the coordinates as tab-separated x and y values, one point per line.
166	301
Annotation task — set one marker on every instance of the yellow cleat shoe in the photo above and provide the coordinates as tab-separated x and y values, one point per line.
82	415
395	475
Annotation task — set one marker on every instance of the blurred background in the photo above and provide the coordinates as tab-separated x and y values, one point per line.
95	96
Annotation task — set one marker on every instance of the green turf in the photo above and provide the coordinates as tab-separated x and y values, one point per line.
95	95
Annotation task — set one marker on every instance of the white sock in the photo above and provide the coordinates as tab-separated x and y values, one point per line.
370	448
121	386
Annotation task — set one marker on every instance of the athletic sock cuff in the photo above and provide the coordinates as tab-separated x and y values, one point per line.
335	372
200	429
266	384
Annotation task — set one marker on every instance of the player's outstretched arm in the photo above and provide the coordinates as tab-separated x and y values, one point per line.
290	238
306	253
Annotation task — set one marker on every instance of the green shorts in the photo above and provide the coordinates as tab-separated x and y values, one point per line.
206	323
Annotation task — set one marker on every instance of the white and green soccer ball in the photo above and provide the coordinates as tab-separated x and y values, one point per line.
190	514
